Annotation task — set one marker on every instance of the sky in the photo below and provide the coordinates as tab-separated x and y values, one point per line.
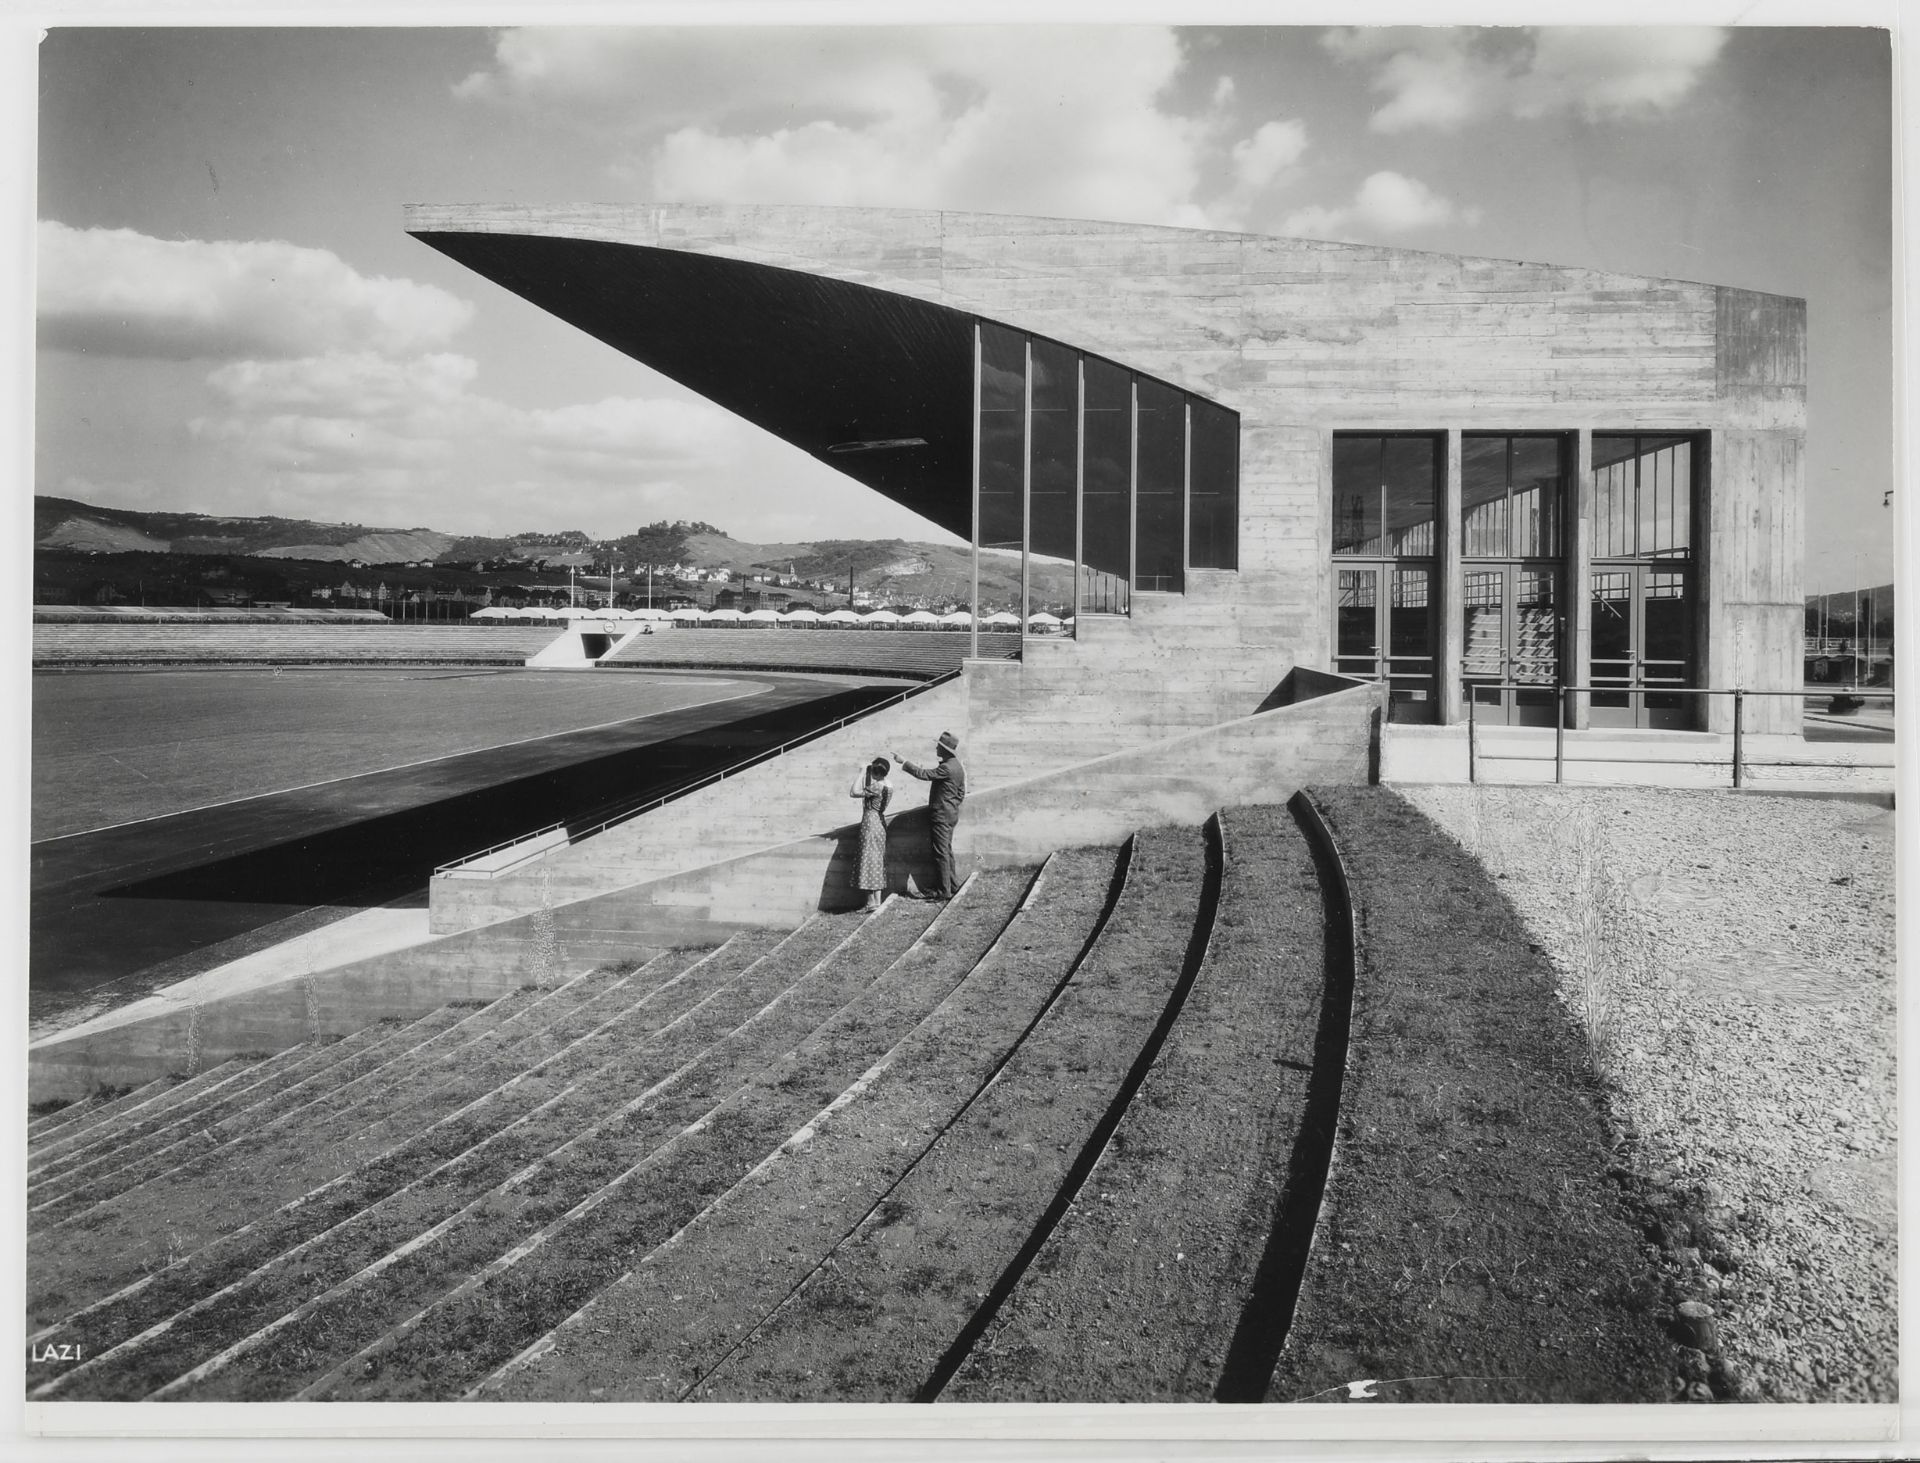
232	320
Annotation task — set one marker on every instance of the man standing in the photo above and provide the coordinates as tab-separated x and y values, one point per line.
949	790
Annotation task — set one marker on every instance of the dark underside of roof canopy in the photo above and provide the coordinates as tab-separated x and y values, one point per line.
818	362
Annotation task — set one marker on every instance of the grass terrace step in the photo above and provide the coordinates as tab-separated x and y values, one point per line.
383	1089
361	1220
370	1121
1141	1290
256	1167
1469	1240
90	1174
116	1244
875	1321
163	1099
86	1118
528	1009
662	1326
136	1159
583	1222
101	1104
44	1117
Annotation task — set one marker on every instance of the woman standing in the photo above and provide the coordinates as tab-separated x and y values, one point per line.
870	785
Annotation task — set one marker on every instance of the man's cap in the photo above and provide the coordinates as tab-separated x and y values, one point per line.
948	742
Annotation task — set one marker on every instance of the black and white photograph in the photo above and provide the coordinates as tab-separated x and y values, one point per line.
1018	726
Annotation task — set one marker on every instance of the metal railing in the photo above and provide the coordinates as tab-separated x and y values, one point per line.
623	812
1560	694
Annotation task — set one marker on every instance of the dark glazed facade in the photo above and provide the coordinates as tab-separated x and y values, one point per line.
1610	464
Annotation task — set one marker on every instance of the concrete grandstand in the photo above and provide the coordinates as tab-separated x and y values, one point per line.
648	1109
1314	495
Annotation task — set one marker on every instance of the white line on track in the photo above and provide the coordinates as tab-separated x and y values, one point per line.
751	690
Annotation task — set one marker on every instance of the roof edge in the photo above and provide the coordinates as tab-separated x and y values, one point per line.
616	223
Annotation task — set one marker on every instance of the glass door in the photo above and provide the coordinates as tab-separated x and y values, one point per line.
1512	638
1384	630
1642	642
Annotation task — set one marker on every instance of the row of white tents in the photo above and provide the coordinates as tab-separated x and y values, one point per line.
873	619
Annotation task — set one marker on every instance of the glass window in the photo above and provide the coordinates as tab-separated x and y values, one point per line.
1213	503
1107	532
1410	483
1160	495
1642	496
1054	448
1536	628
1003	448
1538	491
1385	495
1483	496
1511	493
1079	456
1356	495
1357	623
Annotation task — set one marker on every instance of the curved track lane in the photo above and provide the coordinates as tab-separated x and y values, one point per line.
146	903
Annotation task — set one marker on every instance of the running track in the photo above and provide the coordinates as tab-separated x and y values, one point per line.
147	903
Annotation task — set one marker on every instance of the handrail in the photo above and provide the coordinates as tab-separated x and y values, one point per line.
705	780
1561	692
1657	688
496	847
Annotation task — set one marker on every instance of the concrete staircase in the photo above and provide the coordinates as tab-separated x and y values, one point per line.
822	1163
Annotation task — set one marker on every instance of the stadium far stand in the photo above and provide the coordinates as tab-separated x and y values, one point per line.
132	643
920	655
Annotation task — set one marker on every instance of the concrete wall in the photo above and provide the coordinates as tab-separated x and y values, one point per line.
1756	600
800	794
1180	779
1067	703
1304	338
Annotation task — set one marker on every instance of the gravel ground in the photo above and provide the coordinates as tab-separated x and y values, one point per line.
1732	958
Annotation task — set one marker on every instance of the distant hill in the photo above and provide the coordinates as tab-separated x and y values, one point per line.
890	570
1874	604
372	548
66	523
94	536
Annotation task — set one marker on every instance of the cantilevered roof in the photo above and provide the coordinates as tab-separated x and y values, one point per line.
877	384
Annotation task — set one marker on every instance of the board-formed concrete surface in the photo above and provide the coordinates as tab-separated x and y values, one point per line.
814	322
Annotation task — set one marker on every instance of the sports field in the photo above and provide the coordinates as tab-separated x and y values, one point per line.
113	747
184	817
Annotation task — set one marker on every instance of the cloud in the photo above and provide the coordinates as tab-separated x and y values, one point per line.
624	437
1262	165
355	384
1445	79
1051	120
1621	72
121	293
362	423
324	444
1385	203
1261	158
